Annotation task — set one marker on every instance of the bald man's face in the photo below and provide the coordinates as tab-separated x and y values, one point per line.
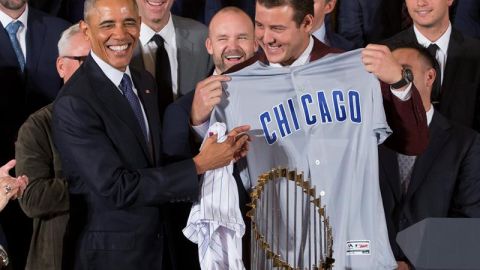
231	39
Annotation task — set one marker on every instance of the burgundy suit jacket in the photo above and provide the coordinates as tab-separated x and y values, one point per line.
407	119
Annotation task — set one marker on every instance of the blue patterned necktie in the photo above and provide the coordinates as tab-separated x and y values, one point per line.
12	29
127	89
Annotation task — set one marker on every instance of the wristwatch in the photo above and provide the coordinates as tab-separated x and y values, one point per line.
407	77
3	258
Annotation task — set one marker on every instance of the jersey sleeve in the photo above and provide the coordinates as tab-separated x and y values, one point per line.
379	120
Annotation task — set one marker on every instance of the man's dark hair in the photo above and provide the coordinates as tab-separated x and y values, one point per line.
424	53
301	8
429	59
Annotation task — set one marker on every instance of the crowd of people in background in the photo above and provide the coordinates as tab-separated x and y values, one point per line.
82	183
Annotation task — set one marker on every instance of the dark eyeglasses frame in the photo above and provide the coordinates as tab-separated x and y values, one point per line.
80	59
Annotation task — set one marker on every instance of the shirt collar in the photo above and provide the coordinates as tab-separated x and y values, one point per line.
442	42
304	57
5	19
430	115
113	74
167	32
321	33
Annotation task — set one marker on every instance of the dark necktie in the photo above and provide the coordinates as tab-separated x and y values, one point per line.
405	169
127	89
437	85
12	29
163	75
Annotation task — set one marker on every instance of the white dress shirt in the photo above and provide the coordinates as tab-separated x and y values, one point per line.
149	49
115	76
22	31
442	44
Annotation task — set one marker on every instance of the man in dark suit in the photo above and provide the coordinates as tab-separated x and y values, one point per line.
322	31
458	97
108	134
444	181
172	49
369	21
29	81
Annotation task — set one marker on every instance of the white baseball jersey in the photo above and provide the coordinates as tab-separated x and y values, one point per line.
325	119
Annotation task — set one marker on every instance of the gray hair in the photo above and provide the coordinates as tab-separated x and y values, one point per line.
89	4
64	42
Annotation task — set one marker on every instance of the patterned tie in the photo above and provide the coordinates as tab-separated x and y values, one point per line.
126	87
12	29
437	86
405	168
163	74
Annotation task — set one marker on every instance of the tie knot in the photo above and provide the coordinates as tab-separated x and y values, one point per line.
432	49
126	83
158	40
12	28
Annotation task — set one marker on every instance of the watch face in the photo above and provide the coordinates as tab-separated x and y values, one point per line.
408	75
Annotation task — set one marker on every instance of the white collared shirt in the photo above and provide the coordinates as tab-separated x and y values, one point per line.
430	115
304	57
442	44
321	34
22	31
149	49
115	76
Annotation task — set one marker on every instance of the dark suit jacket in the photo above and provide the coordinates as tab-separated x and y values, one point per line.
460	96
467	17
445	180
368	21
406	118
337	41
114	172
23	94
46	197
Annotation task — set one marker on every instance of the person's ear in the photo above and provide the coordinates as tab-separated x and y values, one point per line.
330	6
60	67
208	45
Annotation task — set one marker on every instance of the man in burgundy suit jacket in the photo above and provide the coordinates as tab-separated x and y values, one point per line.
282	29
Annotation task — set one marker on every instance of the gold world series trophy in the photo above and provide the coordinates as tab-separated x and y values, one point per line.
290	228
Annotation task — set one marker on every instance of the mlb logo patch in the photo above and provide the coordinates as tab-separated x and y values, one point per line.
358	247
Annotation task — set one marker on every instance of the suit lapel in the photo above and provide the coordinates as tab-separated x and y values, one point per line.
148	96
114	101
438	137
35	40
451	67
184	53
389	166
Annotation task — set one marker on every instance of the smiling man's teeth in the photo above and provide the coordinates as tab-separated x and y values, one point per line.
119	48
152	3
229	57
